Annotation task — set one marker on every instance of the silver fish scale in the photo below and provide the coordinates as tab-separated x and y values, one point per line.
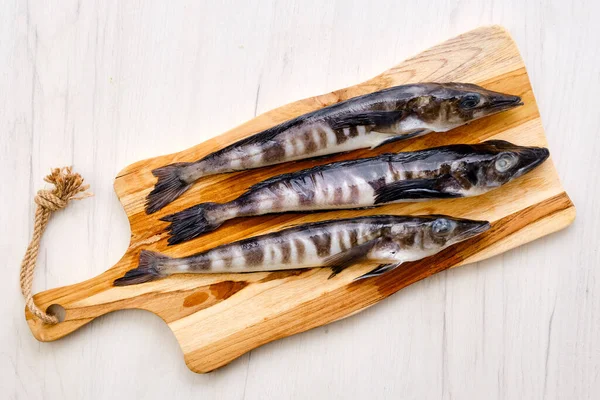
348	187
307	140
310	140
292	249
344	187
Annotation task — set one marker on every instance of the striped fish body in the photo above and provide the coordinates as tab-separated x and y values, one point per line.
299	247
362	122
314	135
352	184
390	240
437	173
306	140
340	185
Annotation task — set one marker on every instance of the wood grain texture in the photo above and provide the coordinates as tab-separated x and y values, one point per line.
217	318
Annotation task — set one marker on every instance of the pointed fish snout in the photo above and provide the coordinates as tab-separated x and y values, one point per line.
473	228
533	158
505	101
480	227
542	153
477	227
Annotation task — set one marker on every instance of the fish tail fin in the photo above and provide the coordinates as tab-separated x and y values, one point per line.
192	222
146	271
169	186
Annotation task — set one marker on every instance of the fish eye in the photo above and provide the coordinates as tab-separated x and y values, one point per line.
441	226
505	162
470	101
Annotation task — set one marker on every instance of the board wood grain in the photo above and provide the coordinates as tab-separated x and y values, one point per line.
217	318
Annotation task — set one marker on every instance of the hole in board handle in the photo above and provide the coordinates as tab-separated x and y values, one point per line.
57	310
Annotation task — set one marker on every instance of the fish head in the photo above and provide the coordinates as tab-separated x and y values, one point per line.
507	161
425	236
441	231
445	106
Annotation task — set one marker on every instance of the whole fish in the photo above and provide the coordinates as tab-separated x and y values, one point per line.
366	121
436	173
386	239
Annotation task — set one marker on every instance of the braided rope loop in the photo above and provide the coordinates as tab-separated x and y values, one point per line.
67	186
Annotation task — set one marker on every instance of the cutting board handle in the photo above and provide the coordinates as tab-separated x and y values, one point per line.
81	303
67	186
75	305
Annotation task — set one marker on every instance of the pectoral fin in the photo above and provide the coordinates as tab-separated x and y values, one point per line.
403	136
343	260
380	270
414	189
377	118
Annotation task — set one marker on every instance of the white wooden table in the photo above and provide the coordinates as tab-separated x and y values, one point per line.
102	84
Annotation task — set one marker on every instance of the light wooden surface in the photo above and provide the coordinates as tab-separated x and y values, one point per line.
101	86
217	318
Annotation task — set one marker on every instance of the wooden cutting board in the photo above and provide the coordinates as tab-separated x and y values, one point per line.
217	318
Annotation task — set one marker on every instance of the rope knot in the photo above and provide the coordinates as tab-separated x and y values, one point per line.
48	200
67	185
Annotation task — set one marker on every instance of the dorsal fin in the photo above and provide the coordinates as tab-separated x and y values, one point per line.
264	136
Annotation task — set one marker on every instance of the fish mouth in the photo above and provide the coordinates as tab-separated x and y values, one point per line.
533	158
475	228
505	103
